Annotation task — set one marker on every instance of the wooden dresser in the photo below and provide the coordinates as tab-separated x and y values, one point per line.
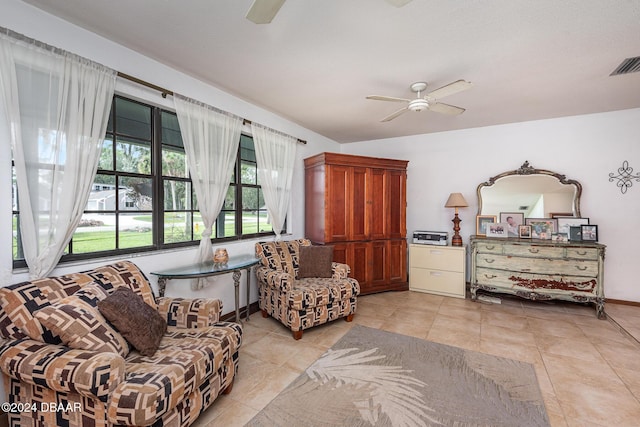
358	204
539	269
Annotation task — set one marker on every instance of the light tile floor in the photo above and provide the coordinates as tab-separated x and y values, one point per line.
588	369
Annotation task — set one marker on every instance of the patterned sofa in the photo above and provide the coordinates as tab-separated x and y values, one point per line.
301	303
51	384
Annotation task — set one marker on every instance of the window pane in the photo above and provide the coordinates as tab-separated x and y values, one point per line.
249	222
178	227
106	155
133	156
225	225
16	241
177	195
103	194
249	172
174	163
230	200
135	194
247	149
133	119
171	130
96	232
135	230
250	198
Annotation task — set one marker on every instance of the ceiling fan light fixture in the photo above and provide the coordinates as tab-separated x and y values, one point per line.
418	104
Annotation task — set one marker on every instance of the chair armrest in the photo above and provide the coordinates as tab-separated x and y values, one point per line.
60	368
340	271
275	279
190	313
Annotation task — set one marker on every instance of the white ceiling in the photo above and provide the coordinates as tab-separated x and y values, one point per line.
318	60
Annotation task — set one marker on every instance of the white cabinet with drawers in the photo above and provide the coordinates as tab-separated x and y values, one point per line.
539	269
437	269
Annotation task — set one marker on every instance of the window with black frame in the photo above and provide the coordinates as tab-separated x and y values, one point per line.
142	198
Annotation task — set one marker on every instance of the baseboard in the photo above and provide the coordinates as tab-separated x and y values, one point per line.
231	317
622	302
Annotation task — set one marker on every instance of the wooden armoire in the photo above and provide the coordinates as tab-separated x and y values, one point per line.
358	204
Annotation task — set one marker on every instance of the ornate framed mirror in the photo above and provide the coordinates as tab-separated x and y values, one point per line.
537	193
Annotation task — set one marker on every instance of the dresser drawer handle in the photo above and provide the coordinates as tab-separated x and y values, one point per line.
490	276
489	261
581	268
534	250
490	248
582	253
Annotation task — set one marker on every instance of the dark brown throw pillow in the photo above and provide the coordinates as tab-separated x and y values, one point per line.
315	261
139	323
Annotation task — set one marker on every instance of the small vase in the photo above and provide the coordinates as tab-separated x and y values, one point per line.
220	256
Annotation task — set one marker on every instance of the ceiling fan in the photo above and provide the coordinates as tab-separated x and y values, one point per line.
263	11
430	101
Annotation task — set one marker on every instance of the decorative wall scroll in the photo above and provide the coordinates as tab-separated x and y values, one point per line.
624	179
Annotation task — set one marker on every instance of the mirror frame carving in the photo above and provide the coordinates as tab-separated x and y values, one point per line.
526	169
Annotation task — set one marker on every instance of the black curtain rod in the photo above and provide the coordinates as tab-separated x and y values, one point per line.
164	92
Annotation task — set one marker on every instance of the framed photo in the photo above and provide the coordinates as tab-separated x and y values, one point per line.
589	233
565	224
524	231
514	220
575	233
497	229
481	223
542	228
560	237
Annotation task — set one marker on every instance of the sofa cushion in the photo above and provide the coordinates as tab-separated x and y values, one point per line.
315	261
185	359
313	292
141	325
79	324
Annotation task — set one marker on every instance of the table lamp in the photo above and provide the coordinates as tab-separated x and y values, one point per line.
456	200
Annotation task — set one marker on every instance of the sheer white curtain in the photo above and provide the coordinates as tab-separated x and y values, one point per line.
57	108
275	156
211	139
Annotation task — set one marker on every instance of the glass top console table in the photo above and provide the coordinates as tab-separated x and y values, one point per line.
207	269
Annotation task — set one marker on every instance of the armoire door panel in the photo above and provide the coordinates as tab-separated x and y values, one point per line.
378	202
359	207
397	193
378	267
338	204
359	263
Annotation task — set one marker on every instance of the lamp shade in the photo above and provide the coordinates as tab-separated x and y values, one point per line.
456	200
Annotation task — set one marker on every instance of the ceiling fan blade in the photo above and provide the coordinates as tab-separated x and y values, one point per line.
394	115
387	98
263	11
398	3
450	89
439	107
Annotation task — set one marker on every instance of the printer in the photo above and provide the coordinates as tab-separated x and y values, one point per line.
430	237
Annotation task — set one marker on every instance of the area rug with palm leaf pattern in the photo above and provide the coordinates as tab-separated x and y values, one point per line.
376	378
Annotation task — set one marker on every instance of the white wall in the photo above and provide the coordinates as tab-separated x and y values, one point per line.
36	24
586	148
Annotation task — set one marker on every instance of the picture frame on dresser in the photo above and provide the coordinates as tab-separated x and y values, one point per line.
513	220
542	228
481	223
524	231
575	233
498	229
589	233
